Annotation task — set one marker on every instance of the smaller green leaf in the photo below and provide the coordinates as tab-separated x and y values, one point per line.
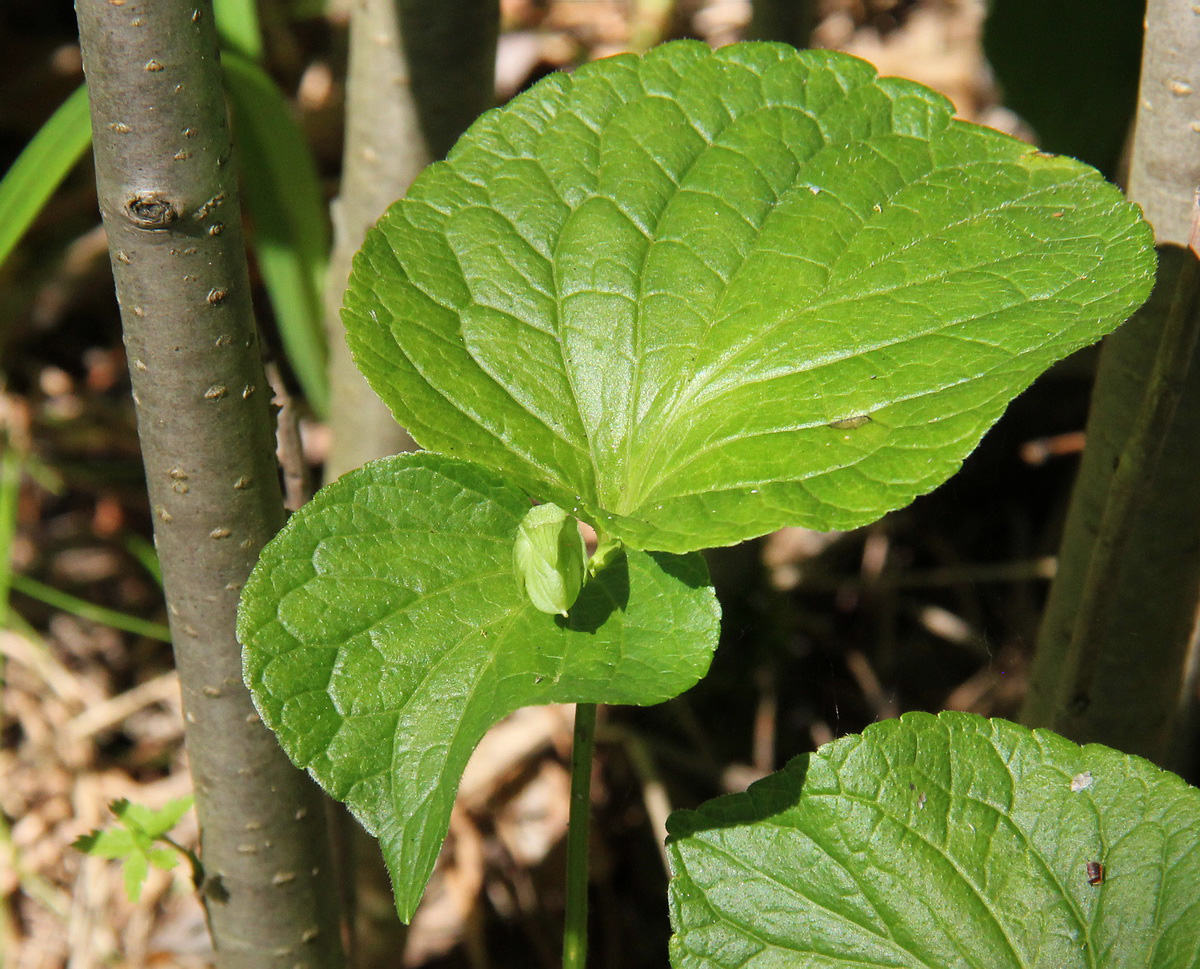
383	633
160	821
137	842
548	557
943	841
123	808
135	870
109	843
39	169
136	817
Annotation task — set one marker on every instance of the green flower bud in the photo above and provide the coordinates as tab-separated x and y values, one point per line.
549	558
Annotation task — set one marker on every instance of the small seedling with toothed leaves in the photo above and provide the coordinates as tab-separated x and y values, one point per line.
142	840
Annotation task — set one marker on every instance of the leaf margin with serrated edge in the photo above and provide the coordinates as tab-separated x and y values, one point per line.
668	603
849	473
1092	781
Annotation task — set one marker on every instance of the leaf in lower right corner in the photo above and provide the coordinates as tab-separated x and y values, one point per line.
943	841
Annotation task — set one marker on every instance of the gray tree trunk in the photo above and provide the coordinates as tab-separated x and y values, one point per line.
169	200
419	74
1165	170
1112	654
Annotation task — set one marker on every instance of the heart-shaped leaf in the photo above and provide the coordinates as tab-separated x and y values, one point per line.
385	631
948	841
697	295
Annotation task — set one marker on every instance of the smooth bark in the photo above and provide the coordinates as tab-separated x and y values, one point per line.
1112	655
1112	648
1165	169
419	74
170	207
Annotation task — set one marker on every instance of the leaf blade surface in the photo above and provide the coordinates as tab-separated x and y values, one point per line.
942	841
696	296
384	631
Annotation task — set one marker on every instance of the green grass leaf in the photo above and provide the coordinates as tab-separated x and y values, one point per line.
11	466
88	610
696	296
238	28
943	841
384	632
283	197
1080	97
39	169
288	218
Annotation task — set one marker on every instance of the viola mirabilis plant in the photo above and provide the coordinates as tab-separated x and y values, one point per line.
688	298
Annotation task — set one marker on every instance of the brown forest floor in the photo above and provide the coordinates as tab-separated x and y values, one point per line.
933	608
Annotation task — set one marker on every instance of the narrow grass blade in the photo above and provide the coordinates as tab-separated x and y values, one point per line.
44	163
89	610
238	27
10	483
289	229
147	557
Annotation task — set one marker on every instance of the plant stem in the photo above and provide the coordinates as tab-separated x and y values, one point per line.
1137	465
193	860
1111	651
1165	168
386	147
575	932
168	196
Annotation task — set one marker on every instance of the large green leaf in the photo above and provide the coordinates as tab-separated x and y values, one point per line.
948	841
384	631
697	295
